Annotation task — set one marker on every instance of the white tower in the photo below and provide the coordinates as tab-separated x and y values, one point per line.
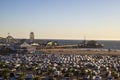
32	37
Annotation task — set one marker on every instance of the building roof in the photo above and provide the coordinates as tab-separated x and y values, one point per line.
34	44
25	45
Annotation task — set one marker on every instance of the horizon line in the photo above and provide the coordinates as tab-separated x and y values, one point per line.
71	39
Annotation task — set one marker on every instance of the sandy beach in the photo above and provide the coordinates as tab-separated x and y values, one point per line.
79	51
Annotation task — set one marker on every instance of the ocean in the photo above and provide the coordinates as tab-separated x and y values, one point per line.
108	44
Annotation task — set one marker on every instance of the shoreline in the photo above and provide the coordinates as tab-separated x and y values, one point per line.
80	51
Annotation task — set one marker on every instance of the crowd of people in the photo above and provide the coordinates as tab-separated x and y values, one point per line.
59	67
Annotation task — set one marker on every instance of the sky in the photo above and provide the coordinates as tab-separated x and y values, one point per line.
61	19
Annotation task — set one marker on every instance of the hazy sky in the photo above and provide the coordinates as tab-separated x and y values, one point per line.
61	19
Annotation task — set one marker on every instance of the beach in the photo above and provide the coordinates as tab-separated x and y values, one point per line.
81	51
62	64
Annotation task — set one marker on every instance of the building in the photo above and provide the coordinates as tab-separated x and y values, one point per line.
52	43
25	45
28	47
32	37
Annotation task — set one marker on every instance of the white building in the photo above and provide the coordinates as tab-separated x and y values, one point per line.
29	48
25	45
32	37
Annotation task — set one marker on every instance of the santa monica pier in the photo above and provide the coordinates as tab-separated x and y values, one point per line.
29	59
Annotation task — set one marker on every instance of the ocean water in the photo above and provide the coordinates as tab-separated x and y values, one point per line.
107	43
